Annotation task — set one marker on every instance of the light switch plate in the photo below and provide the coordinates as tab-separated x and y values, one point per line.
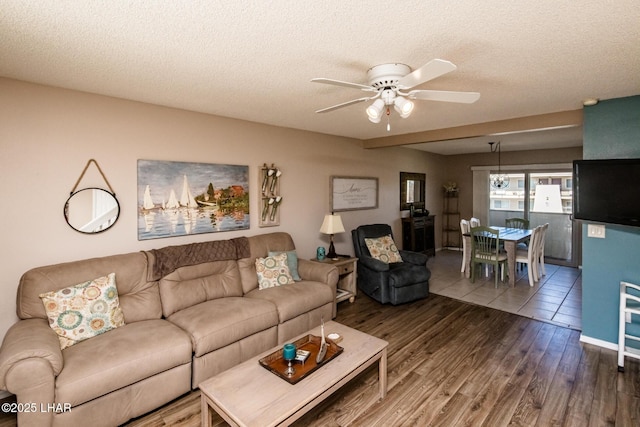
596	230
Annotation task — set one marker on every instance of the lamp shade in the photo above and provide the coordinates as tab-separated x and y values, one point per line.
374	111
332	224
403	106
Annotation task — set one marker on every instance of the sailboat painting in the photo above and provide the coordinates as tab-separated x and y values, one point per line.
183	198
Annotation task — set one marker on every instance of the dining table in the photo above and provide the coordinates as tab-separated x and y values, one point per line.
510	237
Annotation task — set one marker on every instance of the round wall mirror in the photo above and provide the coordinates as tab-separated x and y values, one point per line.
91	210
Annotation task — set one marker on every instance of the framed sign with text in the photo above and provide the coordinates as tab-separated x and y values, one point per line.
349	193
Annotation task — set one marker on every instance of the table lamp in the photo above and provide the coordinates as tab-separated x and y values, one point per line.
331	225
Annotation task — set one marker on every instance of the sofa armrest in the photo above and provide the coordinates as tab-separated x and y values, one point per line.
318	272
417	258
27	340
374	264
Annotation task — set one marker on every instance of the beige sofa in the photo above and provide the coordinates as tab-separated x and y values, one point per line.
190	312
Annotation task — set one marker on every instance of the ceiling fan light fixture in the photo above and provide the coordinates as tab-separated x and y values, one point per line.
392	84
403	106
374	111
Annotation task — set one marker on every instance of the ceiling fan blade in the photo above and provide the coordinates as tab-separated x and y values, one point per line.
344	104
341	83
445	95
431	70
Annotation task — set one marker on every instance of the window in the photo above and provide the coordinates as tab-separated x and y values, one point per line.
568	183
518	200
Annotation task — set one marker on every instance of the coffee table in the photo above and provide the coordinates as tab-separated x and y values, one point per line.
250	395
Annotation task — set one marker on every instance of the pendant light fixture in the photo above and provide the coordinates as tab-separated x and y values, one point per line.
499	181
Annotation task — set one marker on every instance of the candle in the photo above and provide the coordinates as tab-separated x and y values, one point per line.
289	352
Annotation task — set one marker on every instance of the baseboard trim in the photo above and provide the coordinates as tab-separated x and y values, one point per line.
600	343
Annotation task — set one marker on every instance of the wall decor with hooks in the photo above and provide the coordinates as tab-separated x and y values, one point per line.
270	198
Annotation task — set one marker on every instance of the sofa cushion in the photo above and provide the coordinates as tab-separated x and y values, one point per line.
119	358
80	312
295	299
191	285
139	298
273	271
383	249
217	323
405	274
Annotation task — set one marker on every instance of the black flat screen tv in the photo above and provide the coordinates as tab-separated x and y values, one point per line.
607	191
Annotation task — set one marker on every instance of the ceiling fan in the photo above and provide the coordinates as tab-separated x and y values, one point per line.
391	84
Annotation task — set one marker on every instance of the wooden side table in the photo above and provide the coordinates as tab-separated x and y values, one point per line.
347	275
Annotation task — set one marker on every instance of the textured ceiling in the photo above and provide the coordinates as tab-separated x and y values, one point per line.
254	60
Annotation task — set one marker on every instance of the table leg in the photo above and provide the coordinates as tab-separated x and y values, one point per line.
205	412
510	247
382	374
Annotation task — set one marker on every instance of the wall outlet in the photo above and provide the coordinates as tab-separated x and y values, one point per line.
596	230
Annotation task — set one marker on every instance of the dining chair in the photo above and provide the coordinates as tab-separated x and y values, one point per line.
474	222
530	256
485	249
628	336
465	229
520	223
540	255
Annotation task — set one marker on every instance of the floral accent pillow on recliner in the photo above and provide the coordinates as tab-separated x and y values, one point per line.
383	249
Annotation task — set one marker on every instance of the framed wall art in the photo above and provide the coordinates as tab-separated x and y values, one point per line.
182	198
349	193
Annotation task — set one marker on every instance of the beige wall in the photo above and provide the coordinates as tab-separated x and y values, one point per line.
47	135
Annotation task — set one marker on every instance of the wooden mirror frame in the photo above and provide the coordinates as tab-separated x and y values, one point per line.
419	198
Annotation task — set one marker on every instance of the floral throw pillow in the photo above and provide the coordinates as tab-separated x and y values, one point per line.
383	249
273	271
292	263
83	311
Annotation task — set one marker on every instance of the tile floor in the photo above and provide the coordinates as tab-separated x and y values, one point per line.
556	298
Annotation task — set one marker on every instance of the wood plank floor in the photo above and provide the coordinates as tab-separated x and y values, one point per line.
457	364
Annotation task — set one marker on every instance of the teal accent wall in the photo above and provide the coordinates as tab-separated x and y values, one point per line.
611	130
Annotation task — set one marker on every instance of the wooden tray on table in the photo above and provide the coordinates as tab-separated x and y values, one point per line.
276	364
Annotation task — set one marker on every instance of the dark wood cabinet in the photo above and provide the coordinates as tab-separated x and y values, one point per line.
418	234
